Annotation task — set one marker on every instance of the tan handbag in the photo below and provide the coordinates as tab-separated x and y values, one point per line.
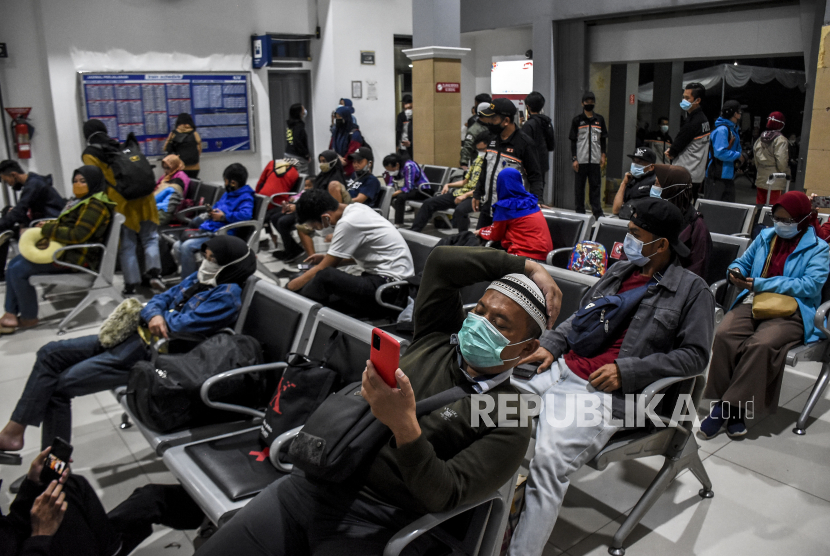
768	305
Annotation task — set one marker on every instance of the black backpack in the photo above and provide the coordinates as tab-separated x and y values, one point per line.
134	176
186	146
165	394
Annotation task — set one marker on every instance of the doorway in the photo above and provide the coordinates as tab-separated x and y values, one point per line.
403	70
284	89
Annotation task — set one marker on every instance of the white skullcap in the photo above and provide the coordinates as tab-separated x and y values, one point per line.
526	293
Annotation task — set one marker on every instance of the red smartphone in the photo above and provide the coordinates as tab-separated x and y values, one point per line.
385	356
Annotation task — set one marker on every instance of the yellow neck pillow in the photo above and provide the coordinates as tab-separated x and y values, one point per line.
31	252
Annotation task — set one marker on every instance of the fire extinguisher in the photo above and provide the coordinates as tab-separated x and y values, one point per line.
22	132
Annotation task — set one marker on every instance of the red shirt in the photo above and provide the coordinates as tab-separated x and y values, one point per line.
270	183
527	236
585	366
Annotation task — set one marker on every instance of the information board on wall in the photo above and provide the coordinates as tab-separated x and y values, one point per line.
147	104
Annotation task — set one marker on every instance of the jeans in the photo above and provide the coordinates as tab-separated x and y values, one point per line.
297	517
4	249
721	190
69	368
149	236
185	253
560	450
21	297
593	173
346	292
399	202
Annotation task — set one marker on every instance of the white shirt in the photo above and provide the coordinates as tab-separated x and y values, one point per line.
371	240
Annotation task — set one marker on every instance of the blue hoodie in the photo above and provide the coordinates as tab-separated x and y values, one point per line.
721	156
237	205
207	312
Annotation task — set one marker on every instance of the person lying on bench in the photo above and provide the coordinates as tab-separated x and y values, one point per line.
360	236
666	332
204	303
442	460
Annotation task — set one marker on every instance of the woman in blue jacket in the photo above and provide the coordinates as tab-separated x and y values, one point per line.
204	303
748	353
236	205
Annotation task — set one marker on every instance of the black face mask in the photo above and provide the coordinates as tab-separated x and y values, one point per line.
494	129
340	123
588	107
17	186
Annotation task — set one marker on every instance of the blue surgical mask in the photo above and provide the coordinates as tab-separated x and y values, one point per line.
481	343
685	104
633	248
786	231
656	192
637	171
664	128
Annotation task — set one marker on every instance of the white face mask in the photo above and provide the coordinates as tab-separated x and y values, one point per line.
481	154
209	270
408	112
664	128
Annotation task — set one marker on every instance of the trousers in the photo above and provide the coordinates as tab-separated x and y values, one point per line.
460	217
21	297
148	235
593	174
185	252
296	517
69	368
561	449
345	292
720	190
285	224
399	202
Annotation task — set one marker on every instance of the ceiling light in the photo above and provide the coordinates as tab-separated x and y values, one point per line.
736	63
410	65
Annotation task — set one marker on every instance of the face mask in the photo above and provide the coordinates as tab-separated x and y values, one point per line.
633	248
787	230
637	171
395	174
408	112
588	107
494	129
305	113
325	167
17	186
209	270
80	190
685	104
481	343
363	172
656	192
481	154
664	128
340	123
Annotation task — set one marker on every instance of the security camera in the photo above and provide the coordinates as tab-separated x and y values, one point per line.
529	54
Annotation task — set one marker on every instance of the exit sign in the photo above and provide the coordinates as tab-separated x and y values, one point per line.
448	87
631	99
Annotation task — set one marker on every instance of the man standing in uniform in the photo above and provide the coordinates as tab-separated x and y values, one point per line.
690	148
588	138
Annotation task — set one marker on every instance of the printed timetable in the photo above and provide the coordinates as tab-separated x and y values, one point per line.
147	104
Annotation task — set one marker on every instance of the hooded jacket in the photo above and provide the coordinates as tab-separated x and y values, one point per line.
38	199
722	157
690	148
237	205
539	128
296	139
772	155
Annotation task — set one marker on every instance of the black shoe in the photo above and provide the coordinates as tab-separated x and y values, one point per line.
129	289
286	256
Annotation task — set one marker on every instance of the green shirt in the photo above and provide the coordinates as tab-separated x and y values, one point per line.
452	462
471	176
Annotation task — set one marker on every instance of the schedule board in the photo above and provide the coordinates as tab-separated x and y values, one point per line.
147	104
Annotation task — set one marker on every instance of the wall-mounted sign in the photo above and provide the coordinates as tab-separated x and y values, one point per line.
357	89
3	52
448	87
367	57
260	50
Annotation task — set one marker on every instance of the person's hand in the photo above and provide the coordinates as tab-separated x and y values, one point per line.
316	258
288	208
541	356
158	327
41	223
607	378
731	140
328	237
459	199
42	243
476	205
743	283
405	143
48	509
465	167
396	193
477	233
217	215
394	407
37	466
602	161
544	206
445	189
552	293
667	155
576	166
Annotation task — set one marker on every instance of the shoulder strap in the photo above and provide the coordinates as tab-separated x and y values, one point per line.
441	399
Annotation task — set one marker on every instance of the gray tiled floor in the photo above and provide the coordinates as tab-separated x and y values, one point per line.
772	492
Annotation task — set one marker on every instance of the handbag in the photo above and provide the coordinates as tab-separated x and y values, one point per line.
769	305
342	436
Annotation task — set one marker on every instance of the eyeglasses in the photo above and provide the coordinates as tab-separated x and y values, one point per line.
776	220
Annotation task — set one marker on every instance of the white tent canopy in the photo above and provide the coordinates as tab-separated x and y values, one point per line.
734	76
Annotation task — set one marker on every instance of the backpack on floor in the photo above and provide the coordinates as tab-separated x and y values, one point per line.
165	394
134	176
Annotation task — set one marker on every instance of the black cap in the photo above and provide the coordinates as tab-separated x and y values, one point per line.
500	107
662	219
729	108
363	153
645	153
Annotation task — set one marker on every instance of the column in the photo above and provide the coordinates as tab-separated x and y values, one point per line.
818	153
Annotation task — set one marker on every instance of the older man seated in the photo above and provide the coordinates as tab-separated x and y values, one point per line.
667	331
434	463
204	303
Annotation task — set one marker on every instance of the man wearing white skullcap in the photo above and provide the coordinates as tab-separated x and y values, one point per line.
439	461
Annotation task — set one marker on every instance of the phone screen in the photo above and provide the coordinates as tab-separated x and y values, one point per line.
56	461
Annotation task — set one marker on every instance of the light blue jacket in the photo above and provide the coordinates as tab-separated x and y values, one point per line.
805	272
722	159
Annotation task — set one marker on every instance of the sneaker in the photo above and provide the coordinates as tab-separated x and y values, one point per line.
735	427
711	426
129	289
157	285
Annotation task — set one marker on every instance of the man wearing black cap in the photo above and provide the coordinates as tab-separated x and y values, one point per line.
509	148
638	181
588	137
365	187
724	152
668	332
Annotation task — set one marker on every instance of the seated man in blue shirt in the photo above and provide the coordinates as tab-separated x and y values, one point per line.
204	303
365	187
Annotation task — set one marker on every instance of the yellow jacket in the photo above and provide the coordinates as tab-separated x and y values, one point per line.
135	211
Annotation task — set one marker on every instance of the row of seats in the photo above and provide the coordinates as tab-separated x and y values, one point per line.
736	218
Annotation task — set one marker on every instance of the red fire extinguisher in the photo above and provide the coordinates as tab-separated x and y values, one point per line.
22	131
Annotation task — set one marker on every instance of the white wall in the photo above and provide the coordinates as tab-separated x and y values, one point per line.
476	65
349	26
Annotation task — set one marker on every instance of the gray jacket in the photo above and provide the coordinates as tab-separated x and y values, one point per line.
669	335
